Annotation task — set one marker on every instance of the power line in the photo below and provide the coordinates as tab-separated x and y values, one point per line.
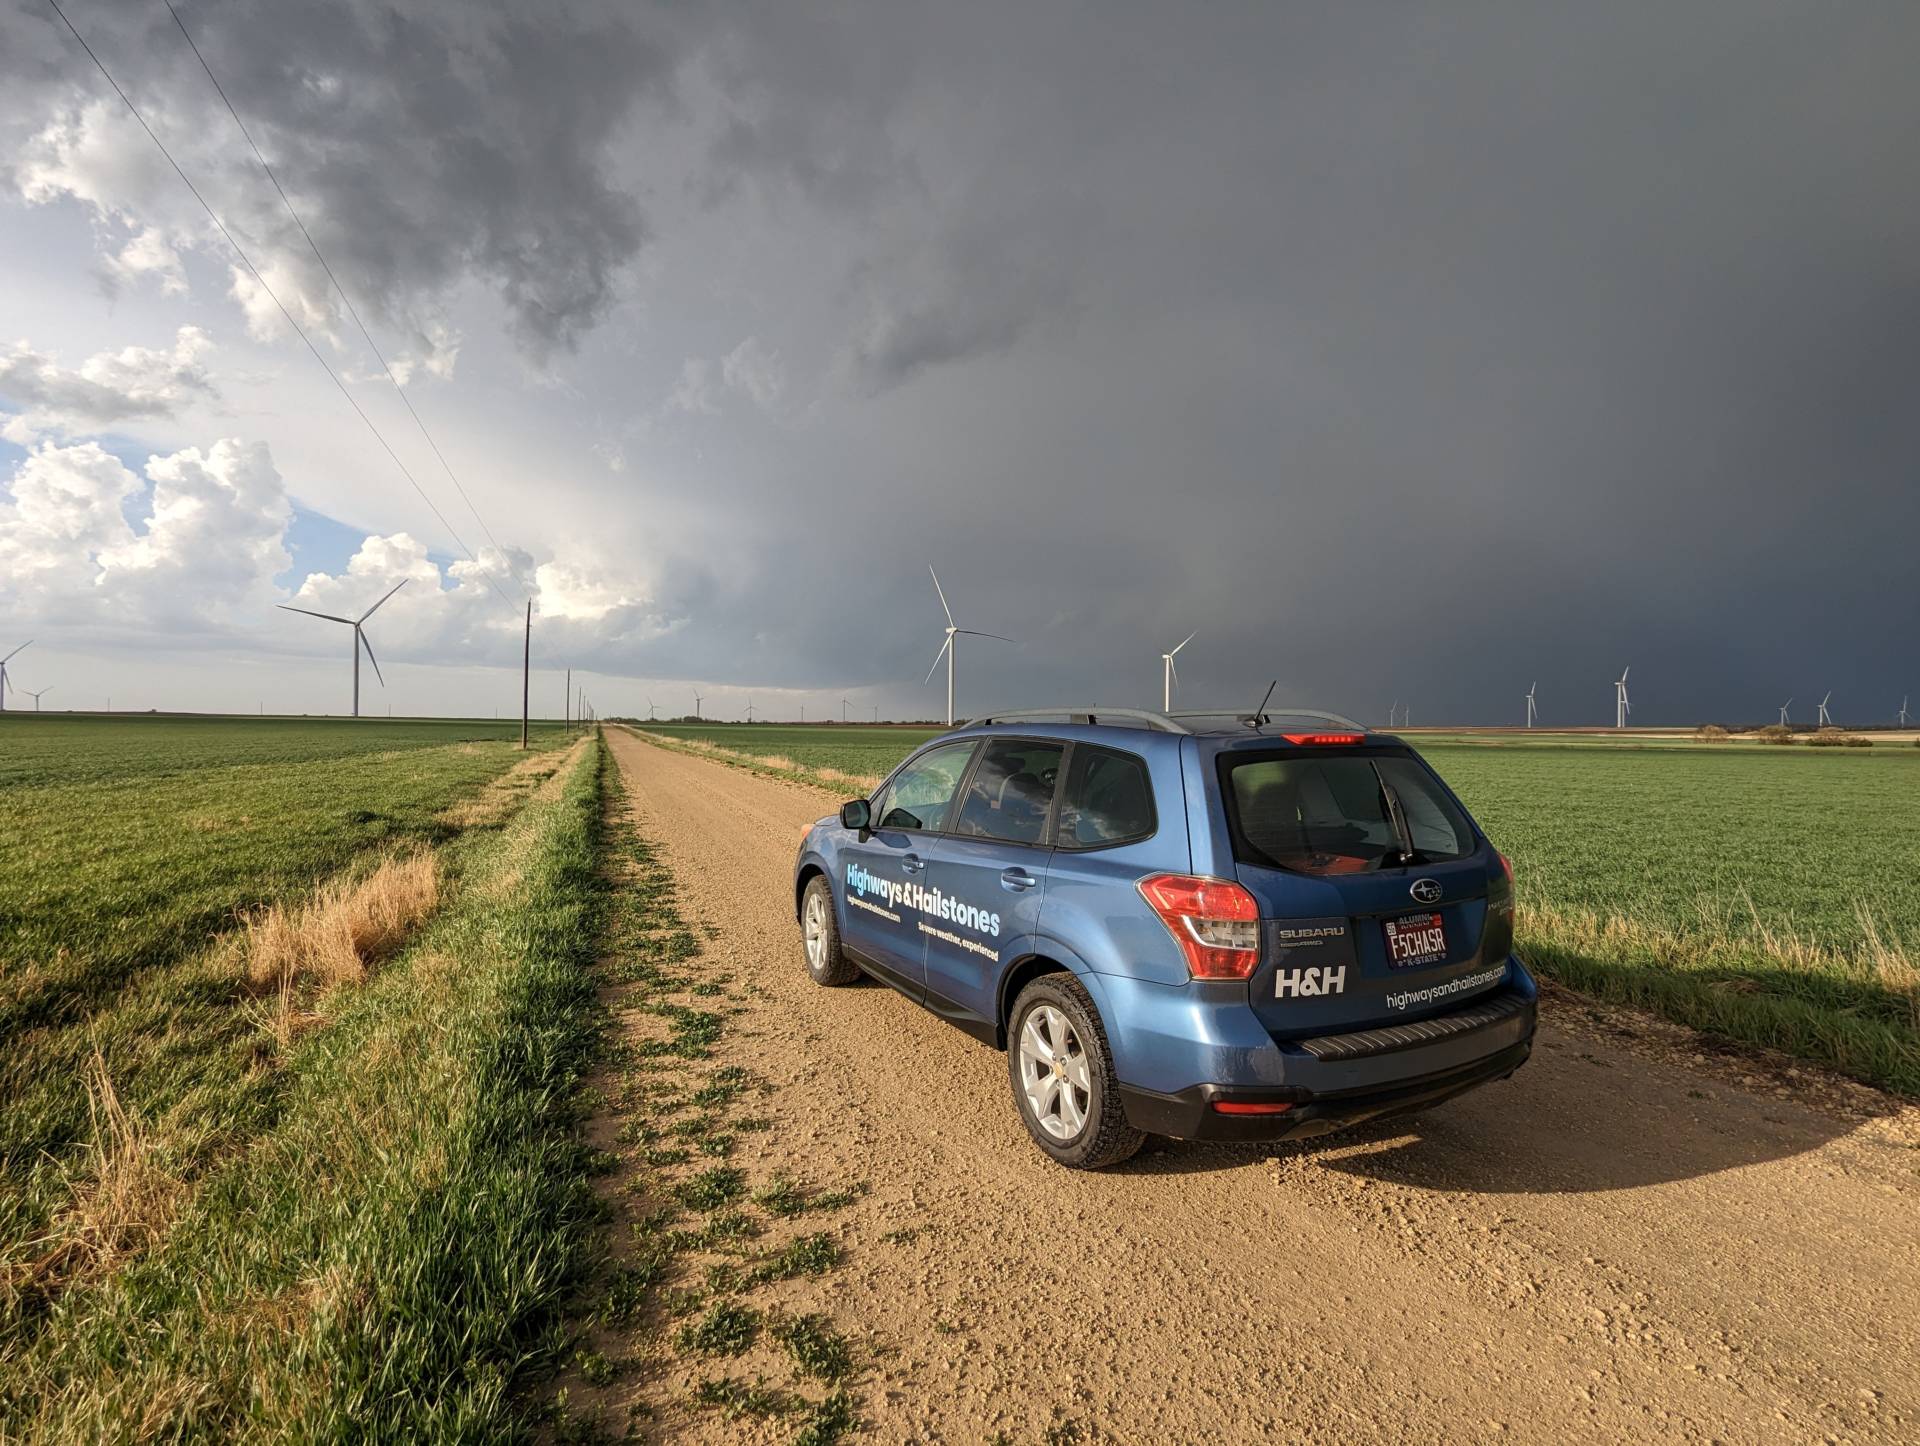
325	266
247	261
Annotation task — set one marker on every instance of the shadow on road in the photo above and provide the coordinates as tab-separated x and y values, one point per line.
1579	1117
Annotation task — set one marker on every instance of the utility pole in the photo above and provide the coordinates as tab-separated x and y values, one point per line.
526	675
567	707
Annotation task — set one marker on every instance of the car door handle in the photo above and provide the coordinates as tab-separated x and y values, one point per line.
912	863
1017	881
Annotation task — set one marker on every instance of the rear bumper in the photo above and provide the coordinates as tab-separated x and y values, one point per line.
1336	1081
1190	1115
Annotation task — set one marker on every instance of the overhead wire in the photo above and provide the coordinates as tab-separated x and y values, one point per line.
346	300
265	286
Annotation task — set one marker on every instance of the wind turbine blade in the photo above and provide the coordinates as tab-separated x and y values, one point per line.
1172	667
1623	675
369	647
936	660
390	592
1184	641
943	595
310	613
27	644
972	634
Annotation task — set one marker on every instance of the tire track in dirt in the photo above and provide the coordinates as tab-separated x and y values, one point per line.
1621	1240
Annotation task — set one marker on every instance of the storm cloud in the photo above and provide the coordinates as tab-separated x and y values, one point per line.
1405	354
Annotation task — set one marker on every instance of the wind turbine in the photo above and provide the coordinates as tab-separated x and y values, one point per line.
1621	707
696	707
1393	711
1532	712
1783	713
1903	712
749	707
4	684
650	710
948	648
49	688
1169	675
1825	721
359	637
843	710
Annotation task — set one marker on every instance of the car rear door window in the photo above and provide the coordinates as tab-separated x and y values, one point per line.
1108	800
920	795
1011	791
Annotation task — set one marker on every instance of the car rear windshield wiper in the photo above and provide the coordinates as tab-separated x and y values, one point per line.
1397	815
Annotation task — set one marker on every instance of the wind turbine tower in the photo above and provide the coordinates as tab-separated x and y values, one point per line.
696	707
843	710
1621	706
1825	720
5	683
948	648
1783	713
650	710
1903	712
1169	675
49	688
1532	712
359	637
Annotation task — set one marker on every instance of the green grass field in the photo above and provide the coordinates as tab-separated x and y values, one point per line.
161	1138
1771	894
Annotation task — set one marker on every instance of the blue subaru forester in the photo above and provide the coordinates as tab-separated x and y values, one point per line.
1207	926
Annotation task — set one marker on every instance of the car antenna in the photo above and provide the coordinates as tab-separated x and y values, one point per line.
1260	713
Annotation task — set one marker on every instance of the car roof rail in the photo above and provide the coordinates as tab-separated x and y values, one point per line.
1272	715
1082	714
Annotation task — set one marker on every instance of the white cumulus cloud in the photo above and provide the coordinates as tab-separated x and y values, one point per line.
132	383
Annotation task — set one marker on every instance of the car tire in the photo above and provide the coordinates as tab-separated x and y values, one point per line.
827	963
1072	1111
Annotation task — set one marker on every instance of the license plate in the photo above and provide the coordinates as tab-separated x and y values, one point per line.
1414	940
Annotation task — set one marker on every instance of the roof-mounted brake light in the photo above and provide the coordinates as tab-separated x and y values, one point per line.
1316	739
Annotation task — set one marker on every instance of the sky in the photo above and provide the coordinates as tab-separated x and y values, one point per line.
1401	354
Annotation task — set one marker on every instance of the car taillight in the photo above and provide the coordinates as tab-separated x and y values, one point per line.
1501	894
1251	1107
1316	739
1215	922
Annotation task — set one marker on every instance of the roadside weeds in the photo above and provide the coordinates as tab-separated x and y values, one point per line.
689	1320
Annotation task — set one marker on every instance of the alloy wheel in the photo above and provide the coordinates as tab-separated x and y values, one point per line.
1054	1073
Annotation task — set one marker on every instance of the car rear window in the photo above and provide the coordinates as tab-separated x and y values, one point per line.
1107	800
1331	813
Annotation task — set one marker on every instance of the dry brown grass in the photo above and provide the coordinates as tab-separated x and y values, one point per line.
500	798
302	952
123	1199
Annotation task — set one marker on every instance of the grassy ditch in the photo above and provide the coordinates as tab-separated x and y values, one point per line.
698	1311
133	910
381	1252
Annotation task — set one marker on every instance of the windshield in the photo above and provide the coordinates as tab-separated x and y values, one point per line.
1340	814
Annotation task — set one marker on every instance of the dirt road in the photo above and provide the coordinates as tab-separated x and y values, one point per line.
1626	1240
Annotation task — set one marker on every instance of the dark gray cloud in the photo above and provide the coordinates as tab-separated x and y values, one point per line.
1415	354
427	145
1404	354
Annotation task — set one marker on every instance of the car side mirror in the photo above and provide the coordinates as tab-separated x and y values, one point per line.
856	814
